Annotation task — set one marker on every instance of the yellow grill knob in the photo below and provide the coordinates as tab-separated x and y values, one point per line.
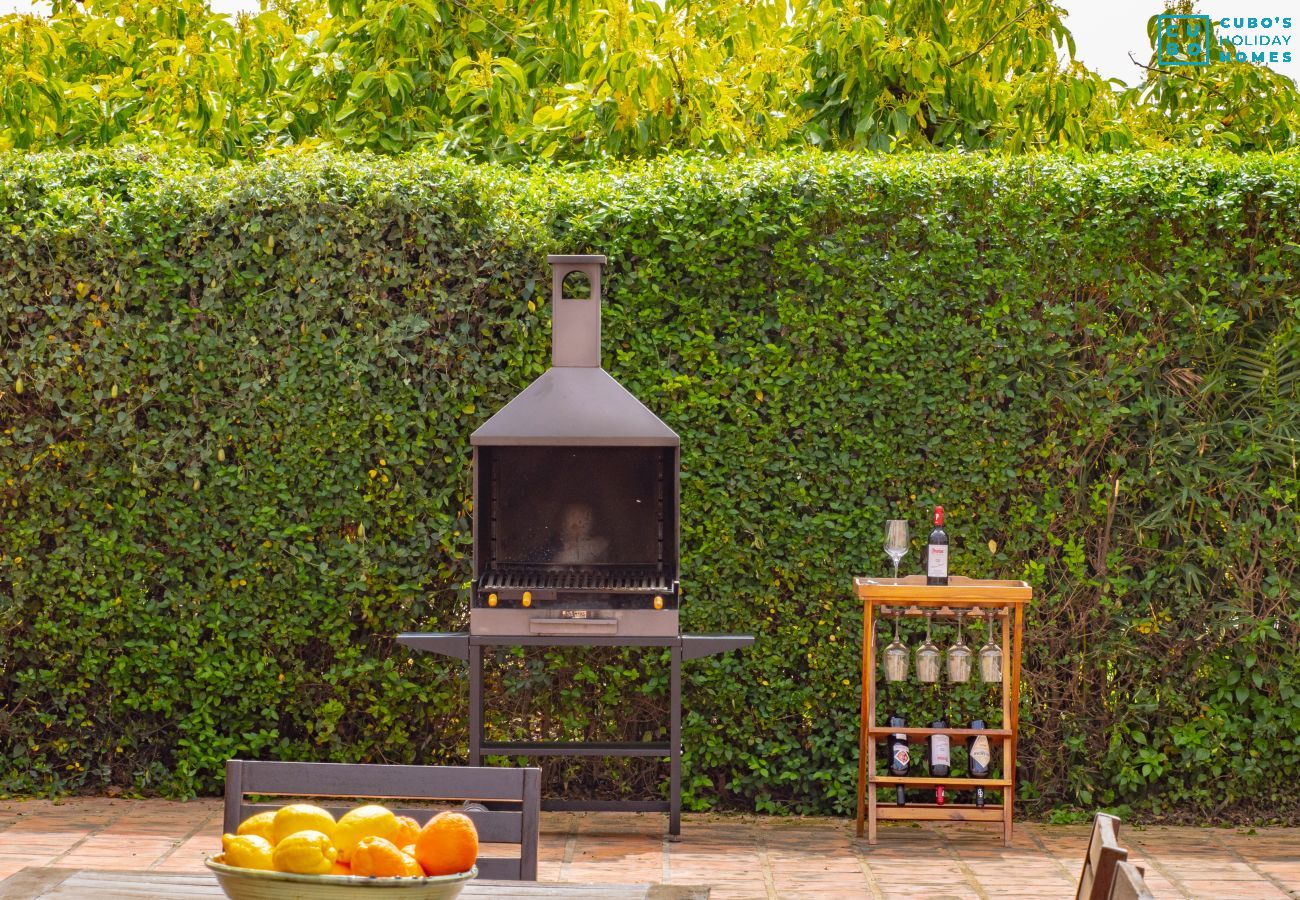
659	602
492	599
528	598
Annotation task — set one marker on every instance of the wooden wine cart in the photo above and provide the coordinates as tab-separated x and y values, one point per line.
911	596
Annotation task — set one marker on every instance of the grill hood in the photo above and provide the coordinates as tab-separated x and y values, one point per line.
575	402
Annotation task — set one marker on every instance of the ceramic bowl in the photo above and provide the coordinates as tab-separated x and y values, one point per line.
258	884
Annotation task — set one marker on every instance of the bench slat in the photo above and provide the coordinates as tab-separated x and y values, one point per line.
492	827
405	782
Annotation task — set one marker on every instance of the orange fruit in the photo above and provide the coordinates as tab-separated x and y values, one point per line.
409	850
448	844
407	831
381	858
340	868
363	822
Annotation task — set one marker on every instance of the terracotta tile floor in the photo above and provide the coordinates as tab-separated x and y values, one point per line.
740	856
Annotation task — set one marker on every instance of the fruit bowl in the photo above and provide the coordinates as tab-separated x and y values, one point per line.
259	884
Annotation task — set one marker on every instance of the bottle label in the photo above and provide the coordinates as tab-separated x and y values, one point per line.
939	751
938	566
979	753
901	757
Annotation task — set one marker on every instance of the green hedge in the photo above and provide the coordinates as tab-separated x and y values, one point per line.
238	463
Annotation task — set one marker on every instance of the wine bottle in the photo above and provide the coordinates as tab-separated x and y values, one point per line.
936	555
900	758
979	757
940	751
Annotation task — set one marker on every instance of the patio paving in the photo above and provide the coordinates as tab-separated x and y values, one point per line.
740	856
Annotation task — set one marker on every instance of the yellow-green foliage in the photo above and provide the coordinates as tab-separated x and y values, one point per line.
239	463
536	79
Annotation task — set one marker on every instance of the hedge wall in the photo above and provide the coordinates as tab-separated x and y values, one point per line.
234	462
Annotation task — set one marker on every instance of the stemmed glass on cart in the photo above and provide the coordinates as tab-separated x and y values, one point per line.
927	655
959	657
990	655
896	538
895	656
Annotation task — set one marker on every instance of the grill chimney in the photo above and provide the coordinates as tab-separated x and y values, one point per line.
575	323
575	402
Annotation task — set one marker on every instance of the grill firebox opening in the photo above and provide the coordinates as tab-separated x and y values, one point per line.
577	518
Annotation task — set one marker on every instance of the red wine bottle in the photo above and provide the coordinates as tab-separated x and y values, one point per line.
978	759
936	552
940	752
900	758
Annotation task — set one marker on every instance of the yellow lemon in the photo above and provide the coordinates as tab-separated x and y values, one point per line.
300	817
363	822
247	851
259	825
305	853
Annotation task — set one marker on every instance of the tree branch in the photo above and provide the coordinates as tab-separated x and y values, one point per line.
993	37
1209	87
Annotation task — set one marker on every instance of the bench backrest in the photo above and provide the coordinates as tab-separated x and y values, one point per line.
506	811
1104	852
1129	884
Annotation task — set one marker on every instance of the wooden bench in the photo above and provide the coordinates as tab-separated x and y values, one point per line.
506	802
1104	854
1129	883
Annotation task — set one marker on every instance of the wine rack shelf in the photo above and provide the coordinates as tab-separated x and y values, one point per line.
923	781
949	812
884	730
968	596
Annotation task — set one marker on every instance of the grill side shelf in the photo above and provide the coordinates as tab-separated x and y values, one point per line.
698	646
456	644
453	644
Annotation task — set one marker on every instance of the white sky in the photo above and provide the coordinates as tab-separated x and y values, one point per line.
1105	31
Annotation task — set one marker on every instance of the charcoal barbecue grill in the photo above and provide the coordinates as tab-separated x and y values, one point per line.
576	534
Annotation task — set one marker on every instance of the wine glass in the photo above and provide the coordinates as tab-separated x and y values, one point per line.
959	657
927	655
896	541
990	656
896	656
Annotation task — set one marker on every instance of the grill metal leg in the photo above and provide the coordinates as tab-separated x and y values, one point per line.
475	705
675	748
680	648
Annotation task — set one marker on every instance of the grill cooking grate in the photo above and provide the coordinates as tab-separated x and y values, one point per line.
631	579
